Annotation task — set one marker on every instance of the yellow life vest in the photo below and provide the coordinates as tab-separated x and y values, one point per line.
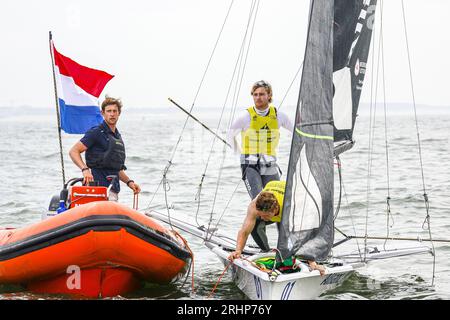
277	188
263	135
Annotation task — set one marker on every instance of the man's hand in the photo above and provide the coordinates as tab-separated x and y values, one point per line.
314	266
234	255
87	177
135	187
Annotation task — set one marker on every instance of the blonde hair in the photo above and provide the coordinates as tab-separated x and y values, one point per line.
263	84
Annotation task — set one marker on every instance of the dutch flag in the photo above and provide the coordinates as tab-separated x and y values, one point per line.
78	88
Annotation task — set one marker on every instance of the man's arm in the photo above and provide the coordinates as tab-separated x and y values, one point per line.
285	122
240	124
244	232
130	183
75	154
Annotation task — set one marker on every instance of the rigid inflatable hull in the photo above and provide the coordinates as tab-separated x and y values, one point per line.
98	249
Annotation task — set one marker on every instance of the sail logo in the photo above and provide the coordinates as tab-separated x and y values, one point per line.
366	16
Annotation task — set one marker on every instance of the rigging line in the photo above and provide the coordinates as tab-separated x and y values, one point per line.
235	96
389	217
246	56
235	100
351	218
238	61
241	72
212	53
239	58
379	56
215	194
401	239
190	265
193	103
290	86
241	52
338	207
228	203
369	160
427	218
166	188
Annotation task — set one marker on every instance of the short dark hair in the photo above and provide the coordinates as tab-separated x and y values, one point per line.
110	101
266	202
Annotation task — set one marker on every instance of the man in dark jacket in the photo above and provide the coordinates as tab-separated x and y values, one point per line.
105	151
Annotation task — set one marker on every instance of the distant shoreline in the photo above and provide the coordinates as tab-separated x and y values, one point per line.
364	109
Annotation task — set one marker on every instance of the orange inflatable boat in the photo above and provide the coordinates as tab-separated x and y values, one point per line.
97	249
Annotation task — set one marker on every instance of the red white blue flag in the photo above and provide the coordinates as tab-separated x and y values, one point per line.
78	89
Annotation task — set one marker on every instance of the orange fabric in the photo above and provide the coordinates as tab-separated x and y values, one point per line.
46	268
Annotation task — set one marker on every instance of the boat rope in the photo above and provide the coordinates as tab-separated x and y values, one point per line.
338	206
351	218
399	239
136	201
191	265
228	203
166	188
220	278
232	117
425	195
373	106
197	198
241	62
192	106
389	216
290	86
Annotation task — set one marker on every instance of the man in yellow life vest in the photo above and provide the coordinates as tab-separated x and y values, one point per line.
268	206
259	127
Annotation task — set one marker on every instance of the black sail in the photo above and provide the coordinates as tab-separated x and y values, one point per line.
334	44
307	218
353	23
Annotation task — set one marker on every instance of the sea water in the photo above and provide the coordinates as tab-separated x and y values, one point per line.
31	174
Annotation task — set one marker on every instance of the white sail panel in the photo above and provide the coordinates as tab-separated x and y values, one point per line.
342	100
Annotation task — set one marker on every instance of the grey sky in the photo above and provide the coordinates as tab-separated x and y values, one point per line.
159	49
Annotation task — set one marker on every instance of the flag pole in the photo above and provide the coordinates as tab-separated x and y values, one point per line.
57	109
